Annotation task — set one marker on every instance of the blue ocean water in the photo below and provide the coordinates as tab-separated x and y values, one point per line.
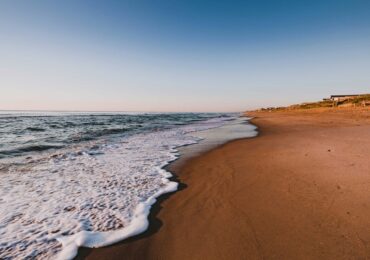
22	133
86	179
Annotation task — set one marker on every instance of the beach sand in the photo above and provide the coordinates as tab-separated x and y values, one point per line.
300	190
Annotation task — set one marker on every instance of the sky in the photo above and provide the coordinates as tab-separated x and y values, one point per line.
188	56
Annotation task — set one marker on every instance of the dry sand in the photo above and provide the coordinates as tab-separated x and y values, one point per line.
300	190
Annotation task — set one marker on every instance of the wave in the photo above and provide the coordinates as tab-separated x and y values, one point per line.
88	195
35	129
27	149
18	130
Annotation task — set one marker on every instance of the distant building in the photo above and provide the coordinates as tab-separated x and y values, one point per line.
343	97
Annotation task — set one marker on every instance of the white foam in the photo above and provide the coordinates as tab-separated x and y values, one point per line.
91	198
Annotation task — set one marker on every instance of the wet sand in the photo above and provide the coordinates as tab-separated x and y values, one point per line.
300	190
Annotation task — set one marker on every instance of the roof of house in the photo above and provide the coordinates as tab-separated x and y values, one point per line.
352	95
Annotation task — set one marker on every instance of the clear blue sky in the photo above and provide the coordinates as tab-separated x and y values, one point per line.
180	55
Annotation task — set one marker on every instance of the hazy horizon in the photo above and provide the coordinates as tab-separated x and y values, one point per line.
108	111
172	56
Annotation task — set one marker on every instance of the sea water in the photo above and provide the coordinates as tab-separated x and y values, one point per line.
86	179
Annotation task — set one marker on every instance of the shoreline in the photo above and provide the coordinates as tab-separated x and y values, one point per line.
263	227
186	153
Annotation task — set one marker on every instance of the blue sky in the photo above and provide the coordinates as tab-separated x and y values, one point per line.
180	55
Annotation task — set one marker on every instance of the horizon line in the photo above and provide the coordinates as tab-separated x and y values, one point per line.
109	111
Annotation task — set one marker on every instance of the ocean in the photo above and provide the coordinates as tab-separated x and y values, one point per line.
87	179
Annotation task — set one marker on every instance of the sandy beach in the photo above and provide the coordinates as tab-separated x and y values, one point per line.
185	130
300	190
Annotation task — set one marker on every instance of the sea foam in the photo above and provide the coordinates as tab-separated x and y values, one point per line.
90	195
